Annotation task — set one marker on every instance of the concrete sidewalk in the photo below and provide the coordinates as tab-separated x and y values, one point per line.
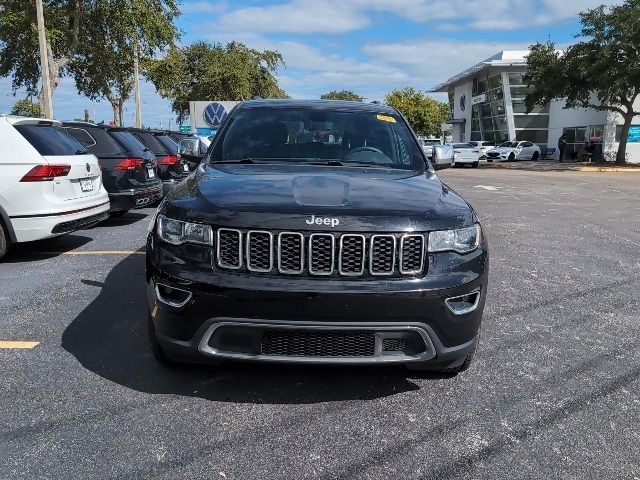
555	166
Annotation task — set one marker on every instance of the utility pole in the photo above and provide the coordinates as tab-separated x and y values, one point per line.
136	79
47	110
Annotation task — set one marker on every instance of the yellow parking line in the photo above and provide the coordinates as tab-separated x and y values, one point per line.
94	252
17	344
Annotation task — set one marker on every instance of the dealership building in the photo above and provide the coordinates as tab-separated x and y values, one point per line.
487	103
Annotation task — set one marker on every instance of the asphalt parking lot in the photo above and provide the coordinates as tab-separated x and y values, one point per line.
554	392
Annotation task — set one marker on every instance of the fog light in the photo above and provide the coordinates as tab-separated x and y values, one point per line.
463	304
172	296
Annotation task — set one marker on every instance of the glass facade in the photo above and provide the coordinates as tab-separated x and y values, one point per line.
489	117
579	138
533	126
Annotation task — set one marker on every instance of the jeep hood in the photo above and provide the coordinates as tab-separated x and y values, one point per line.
283	197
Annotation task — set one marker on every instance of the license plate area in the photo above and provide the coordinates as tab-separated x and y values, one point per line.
86	185
151	173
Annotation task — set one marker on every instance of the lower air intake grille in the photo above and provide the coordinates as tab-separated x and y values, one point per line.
318	344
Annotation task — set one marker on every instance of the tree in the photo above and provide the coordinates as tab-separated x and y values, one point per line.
90	40
26	108
601	73
342	95
103	65
204	71
425	114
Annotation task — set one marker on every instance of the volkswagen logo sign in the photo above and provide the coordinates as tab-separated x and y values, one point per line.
214	114
88	167
463	102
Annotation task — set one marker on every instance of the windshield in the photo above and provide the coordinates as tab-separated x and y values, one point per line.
318	136
128	141
509	144
169	143
463	145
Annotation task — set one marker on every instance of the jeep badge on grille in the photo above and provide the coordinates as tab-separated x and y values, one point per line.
331	222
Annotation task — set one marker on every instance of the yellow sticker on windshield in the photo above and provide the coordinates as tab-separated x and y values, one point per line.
386	118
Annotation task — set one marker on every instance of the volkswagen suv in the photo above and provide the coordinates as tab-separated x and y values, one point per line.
316	232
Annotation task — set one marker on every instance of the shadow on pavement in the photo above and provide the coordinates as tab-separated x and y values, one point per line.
128	218
109	338
43	249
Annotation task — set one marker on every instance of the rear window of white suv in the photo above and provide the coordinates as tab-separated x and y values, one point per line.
50	140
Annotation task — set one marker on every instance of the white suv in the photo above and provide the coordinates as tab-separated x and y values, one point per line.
49	184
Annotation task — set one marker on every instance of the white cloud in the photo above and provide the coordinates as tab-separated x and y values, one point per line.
204	7
336	16
298	16
431	61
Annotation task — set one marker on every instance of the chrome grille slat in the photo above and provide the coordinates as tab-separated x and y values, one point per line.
382	255
259	251
229	248
352	255
290	253
411	254
321	253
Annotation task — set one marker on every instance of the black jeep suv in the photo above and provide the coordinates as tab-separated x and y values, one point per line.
316	231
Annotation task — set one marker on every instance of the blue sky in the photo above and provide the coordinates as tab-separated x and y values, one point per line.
370	46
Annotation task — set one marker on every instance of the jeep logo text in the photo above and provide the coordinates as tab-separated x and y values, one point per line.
330	222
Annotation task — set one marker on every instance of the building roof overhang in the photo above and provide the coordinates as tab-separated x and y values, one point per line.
501	60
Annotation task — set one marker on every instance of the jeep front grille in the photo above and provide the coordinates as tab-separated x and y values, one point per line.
304	343
320	254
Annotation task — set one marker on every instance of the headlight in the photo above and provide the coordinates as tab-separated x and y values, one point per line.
178	232
462	240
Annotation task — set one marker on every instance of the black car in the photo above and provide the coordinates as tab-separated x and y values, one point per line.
171	168
129	173
177	136
316	231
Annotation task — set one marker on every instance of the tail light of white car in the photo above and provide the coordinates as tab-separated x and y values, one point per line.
46	173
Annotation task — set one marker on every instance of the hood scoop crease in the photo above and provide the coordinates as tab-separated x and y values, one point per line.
320	191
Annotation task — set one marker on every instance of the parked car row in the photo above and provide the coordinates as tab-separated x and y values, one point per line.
58	177
470	153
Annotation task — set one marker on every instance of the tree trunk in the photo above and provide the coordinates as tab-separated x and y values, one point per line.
116	113
621	156
120	105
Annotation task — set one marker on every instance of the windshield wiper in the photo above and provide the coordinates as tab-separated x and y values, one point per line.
81	152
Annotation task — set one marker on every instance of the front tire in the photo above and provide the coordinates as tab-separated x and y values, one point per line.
475	164
5	243
511	158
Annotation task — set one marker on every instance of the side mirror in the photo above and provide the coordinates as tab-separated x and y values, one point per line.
189	149
442	157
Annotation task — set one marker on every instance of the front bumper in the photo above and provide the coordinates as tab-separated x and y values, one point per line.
135	198
32	228
225	316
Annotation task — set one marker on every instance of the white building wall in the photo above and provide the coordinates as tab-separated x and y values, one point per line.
462	132
560	118
633	149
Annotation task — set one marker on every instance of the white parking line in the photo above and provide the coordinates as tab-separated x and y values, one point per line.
486	187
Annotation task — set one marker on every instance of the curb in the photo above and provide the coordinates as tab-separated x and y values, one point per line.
577	168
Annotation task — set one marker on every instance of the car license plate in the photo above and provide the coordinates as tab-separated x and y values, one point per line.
86	185
151	173
185	167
